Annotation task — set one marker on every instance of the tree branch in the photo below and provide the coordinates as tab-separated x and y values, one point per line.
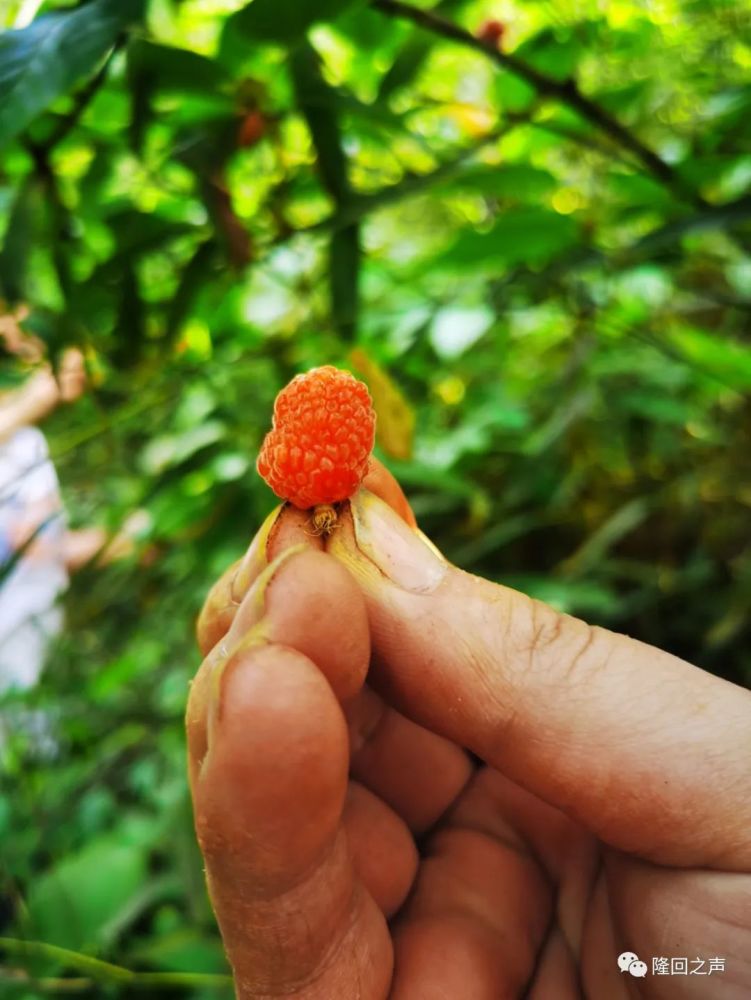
566	92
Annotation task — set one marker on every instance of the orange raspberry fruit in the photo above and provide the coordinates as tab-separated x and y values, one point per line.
318	448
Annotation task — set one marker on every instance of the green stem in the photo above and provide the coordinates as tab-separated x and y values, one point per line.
107	972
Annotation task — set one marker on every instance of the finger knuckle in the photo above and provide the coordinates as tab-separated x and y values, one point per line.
558	646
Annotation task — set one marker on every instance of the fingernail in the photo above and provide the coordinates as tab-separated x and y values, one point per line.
255	559
249	629
401	553
253	608
430	544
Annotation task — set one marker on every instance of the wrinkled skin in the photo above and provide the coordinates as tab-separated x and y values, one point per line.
355	848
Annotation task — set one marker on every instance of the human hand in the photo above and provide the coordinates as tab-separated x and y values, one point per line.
44	390
610	815
40	394
71	375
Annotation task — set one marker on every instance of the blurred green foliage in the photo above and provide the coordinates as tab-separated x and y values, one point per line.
539	259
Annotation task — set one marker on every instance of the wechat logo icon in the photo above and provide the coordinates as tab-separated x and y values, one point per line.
629	962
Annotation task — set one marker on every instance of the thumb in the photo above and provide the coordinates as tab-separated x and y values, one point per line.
648	752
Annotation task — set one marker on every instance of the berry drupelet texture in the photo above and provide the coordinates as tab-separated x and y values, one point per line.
318	448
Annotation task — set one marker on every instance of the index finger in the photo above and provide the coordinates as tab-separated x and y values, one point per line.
285	527
381	482
646	751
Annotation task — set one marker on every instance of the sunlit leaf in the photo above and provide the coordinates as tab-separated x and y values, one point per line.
521	235
17	242
395	427
728	360
68	907
455	329
518	181
284	21
42	61
555	53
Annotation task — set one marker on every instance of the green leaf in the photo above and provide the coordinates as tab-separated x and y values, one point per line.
657	407
40	63
136	232
639	192
406	66
209	141
418	476
514	94
415	52
130	325
319	105
627	97
553	52
727	360
174	69
169	450
515	180
197	272
72	903
153	890
529	235
283	22
17	244
492	539
456	328
183	950
571	596
154	68
621	523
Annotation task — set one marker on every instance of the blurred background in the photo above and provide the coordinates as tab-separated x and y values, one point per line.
526	225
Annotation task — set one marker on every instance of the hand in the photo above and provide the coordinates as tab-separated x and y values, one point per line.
355	849
40	394
71	376
82	545
66	386
43	392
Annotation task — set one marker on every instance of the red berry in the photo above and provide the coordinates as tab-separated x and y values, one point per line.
318	448
492	32
252	129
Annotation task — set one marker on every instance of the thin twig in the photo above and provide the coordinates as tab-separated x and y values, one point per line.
566	92
108	972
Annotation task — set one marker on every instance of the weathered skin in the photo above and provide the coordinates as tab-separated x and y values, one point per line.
611	815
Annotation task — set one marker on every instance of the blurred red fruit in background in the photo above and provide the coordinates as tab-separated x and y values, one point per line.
492	32
252	129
